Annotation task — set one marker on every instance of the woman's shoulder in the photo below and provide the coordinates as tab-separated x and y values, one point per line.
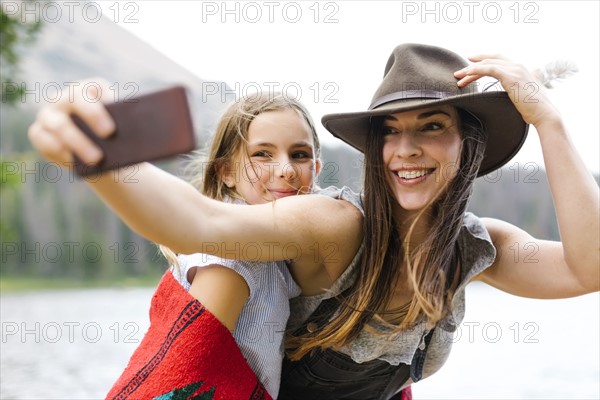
476	226
477	249
343	193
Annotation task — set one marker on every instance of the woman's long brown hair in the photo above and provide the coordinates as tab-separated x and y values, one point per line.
431	266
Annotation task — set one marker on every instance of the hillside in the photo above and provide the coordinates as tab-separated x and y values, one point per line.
57	228
66	51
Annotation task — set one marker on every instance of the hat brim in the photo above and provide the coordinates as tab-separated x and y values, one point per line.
505	127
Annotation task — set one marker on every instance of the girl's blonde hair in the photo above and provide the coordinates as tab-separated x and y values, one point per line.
205	171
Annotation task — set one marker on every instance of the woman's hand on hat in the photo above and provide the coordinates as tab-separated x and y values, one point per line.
526	92
57	138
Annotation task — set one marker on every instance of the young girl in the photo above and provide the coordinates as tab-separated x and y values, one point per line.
427	135
265	148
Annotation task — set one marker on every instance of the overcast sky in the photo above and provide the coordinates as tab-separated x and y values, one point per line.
332	54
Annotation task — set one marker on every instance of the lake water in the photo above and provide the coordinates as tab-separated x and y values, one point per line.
74	344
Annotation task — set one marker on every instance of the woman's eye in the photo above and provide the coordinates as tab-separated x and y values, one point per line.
388	130
432	126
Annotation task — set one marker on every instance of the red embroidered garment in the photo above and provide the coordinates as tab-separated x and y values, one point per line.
186	354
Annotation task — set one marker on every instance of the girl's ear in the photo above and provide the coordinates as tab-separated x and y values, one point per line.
226	175
229	182
317	167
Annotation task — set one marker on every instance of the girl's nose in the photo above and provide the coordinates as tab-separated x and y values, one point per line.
285	169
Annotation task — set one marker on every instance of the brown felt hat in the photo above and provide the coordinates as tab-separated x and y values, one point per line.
418	76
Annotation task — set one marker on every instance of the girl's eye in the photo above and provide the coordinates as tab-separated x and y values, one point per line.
261	153
301	155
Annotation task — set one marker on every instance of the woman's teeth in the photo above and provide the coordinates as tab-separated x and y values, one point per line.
412	174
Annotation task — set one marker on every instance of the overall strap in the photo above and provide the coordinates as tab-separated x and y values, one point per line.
322	314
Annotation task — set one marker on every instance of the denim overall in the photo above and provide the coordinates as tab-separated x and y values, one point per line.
331	375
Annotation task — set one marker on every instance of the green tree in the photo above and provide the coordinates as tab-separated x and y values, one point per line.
14	33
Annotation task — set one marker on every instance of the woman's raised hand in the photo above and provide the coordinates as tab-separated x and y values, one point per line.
526	92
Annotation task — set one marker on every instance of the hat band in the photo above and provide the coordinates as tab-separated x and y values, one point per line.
409	94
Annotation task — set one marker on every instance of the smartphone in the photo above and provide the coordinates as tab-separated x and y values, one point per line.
150	127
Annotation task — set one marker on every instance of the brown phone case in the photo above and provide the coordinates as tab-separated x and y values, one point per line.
148	128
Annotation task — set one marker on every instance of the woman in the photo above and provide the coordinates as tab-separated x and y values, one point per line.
426	137
428	134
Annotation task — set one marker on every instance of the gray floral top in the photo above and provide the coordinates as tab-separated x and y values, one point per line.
477	253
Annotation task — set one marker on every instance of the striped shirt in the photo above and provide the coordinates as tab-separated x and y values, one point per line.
260	328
